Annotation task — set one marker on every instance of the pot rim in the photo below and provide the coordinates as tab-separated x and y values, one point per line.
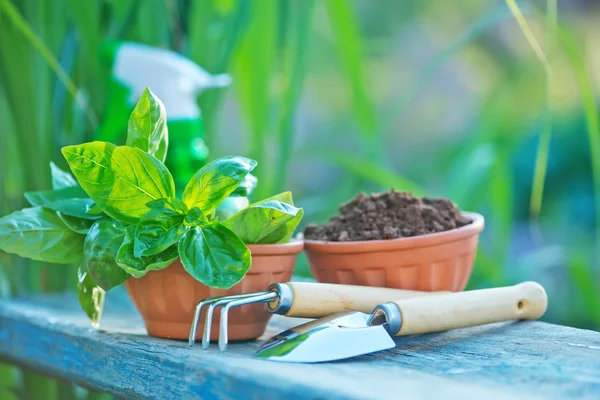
431	239
294	246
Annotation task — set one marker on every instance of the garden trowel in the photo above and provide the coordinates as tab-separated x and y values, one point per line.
351	334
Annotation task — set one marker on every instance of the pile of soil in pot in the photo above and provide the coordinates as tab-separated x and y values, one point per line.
388	215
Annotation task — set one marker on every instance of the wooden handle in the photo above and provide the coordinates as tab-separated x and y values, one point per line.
443	312
316	300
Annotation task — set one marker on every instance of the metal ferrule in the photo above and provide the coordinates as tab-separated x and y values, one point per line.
283	302
389	315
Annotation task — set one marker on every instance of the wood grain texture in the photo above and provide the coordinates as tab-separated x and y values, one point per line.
504	360
322	299
527	300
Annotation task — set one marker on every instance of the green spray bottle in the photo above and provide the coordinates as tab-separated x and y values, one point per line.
178	82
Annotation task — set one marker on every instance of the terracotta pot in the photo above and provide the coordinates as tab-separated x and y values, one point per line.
439	261
166	299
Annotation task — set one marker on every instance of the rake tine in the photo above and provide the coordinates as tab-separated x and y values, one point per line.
215	302
196	321
223	332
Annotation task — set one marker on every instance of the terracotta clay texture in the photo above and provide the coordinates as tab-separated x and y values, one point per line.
166	299
438	261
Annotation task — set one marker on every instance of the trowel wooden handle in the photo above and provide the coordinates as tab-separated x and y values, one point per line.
316	300
443	312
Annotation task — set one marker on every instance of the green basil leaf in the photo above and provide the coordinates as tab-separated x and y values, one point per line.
41	235
138	267
156	232
284	197
230	206
267	222
215	181
120	180
247	186
147	129
168	205
91	297
195	217
61	179
100	250
214	255
93	209
72	200
45	197
74	208
75	224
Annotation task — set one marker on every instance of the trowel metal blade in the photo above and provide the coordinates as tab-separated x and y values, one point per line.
331	338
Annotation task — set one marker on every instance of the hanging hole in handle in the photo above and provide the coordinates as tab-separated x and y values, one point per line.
521	306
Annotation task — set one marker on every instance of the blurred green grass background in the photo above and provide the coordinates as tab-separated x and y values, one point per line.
333	97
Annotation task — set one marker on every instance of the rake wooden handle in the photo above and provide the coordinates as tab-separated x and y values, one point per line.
316	300
443	312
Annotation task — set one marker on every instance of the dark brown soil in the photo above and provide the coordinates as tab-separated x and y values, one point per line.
388	215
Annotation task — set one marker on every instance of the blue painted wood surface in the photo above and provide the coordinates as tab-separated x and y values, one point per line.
508	360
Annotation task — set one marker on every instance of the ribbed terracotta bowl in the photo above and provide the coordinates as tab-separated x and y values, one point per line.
438	261
166	299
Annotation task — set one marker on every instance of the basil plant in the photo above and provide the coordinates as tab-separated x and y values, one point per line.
117	216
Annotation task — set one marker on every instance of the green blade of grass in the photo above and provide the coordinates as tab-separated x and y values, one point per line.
151	25
348	43
368	170
16	70
527	32
22	26
541	165
214	35
235	28
36	13
201	18
590	106
584	280
87	30
254	68
482	24
60	97
86	17
215	31
13	180
121	16
501	205
541	160
294	72
469	172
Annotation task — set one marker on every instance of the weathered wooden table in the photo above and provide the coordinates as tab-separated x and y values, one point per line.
509	360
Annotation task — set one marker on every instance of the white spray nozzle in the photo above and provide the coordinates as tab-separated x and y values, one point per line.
176	80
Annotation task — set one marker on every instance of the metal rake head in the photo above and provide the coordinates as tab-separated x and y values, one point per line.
226	302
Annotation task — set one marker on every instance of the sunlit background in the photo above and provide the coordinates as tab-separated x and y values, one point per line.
442	98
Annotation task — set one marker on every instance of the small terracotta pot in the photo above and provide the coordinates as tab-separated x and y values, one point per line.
166	299
439	261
